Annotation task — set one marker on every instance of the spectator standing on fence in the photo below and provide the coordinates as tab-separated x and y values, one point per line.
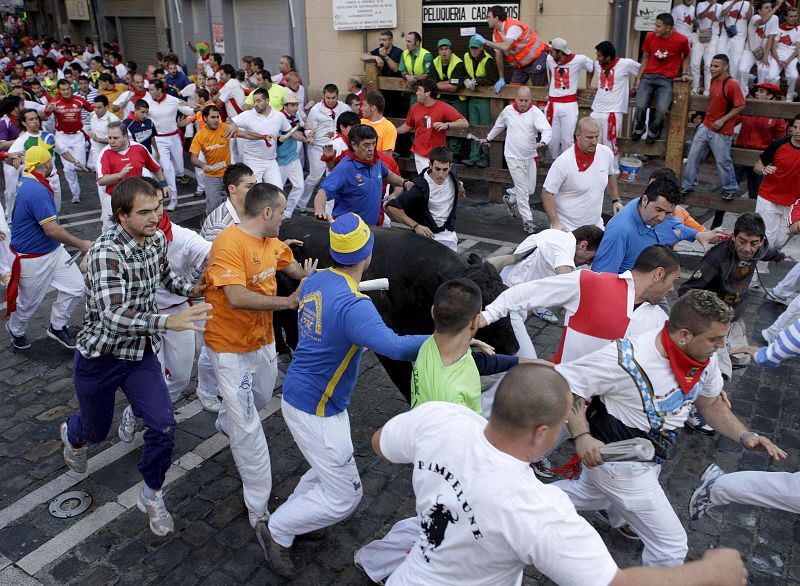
527	130
665	57
521	46
372	109
564	68
612	96
416	62
704	44
786	50
762	32
733	31
572	194
715	134
481	69
449	74
388	58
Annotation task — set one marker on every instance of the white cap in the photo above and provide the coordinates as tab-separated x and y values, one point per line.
560	44
290	98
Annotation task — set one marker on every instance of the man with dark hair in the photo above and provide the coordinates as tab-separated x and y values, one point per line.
447	70
665	57
386	56
727	270
242	288
237	180
481	70
98	130
415	61
356	183
715	134
285	68
231	95
644	221
429	207
141	128
644	387
213	143
276	92
120	338
126	102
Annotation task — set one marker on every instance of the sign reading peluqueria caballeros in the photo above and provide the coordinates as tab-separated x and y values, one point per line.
440	13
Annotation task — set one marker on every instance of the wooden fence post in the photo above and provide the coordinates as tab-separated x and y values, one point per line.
676	134
370	83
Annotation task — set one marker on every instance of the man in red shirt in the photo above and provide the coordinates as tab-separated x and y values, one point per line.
119	160
716	132
665	56
67	108
429	119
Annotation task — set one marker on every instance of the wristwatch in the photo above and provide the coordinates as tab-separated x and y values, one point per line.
746	435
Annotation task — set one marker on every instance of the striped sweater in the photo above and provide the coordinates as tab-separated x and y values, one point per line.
786	345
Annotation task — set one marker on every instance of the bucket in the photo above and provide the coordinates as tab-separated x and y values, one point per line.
629	169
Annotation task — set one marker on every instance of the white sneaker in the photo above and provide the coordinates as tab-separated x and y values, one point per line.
161	522
170	207
76	199
211	405
127	427
545	314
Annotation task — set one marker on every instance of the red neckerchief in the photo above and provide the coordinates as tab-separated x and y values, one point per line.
138	95
161	99
514	103
584	161
333	110
165	226
375	158
565	61
132	116
43	180
13	119
610	66
292	119
687	370
784	27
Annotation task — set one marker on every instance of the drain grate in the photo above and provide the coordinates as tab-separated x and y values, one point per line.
70	504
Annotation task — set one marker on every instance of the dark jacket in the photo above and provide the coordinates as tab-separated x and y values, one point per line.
722	272
414	203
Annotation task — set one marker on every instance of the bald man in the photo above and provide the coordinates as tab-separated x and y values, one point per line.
573	191
484	515
527	130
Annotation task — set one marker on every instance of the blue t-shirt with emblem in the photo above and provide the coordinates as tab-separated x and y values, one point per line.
357	187
33	207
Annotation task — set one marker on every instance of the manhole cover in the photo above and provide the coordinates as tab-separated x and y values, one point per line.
70	504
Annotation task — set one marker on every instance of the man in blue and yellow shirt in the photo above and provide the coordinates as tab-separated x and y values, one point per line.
335	323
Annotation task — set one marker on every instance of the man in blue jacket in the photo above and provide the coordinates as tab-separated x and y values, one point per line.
335	323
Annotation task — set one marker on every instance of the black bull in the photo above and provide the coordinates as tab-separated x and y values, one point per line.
415	267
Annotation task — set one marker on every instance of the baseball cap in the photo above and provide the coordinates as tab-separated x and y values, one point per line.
560	44
443	42
351	239
37	155
290	98
473	42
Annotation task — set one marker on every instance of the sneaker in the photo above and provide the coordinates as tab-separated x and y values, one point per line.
700	503
357	563
729	195
768	336
529	227
637	135
170	207
183	179
199	193
511	204
76	199
542	468
62	336
278	557
161	522
468	162
650	139
772	296
545	314
127	427
685	190
74	457
211	405
19	342
696	422
625	530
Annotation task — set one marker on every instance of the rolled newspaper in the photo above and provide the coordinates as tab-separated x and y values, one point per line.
637	449
374	285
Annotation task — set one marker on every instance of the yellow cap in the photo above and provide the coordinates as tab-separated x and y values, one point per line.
37	155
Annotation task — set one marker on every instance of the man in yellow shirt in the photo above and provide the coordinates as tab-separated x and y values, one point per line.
276	92
374	105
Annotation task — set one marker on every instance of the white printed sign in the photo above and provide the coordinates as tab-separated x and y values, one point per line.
352	15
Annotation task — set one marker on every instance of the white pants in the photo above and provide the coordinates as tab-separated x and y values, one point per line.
448	238
737	336
105	208
565	118
769	73
176	355
76	146
331	489
791	79
787	318
703	53
634	490
207	384
776	220
94	152
293	173
6	258
11	176
170	152
733	48
421	163
55	184
199	175
789	286
265	171
37	275
380	558
246	381
316	169
776	490
523	174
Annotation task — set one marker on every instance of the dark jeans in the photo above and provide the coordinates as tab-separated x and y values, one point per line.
649	86
536	71
96	383
753	179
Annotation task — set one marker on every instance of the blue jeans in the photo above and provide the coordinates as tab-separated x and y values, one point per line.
96	383
720	145
662	88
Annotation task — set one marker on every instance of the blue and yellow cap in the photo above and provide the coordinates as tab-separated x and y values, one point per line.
351	239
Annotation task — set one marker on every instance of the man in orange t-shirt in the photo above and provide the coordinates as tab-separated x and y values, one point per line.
241	287
213	142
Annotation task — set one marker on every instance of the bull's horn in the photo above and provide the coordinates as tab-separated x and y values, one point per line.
501	261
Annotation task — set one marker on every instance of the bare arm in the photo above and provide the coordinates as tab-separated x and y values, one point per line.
404	128
718	567
241	298
645	60
319	205
549	204
57	232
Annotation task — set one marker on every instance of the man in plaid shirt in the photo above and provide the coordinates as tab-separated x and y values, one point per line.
120	338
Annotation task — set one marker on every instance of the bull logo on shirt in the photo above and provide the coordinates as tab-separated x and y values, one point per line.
661	55
785	39
434	525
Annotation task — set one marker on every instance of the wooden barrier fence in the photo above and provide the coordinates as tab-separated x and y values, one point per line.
671	150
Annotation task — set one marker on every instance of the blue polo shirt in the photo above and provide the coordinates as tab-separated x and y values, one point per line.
627	236
357	187
33	207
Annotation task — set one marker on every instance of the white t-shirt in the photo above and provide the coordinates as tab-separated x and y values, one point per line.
711	17
758	33
99	126
579	195
186	253
440	200
684	17
600	373
613	87
554	248
272	124
484	515
564	78
322	120
164	113
514	32
737	16
232	95
786	42
521	131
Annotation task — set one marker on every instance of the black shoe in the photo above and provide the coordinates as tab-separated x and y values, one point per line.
729	196
62	336
637	135
649	139
685	190
19	342
183	179
468	162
